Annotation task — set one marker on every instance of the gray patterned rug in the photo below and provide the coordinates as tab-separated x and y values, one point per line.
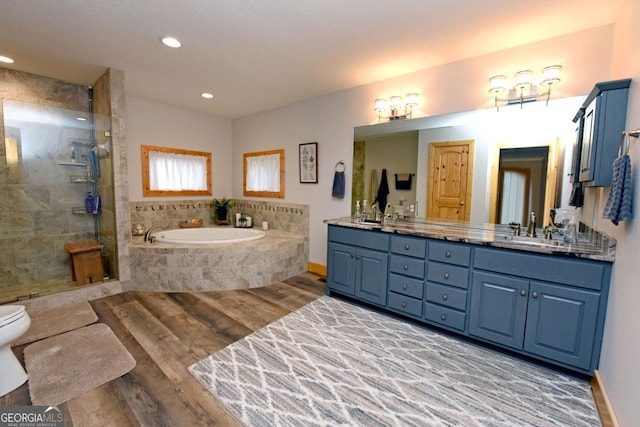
334	363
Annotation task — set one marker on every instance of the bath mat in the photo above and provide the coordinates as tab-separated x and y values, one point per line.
67	365
54	321
334	363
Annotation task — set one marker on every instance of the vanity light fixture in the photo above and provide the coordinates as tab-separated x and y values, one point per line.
397	107
171	42
523	89
6	59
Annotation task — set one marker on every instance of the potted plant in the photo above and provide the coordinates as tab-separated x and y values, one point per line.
221	210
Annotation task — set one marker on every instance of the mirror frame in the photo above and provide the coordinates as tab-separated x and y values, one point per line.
146	187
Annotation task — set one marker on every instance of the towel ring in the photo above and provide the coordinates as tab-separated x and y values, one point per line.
340	164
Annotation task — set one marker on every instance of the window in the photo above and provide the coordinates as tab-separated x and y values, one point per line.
264	174
175	172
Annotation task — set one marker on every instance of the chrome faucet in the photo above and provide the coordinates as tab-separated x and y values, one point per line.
147	234
531	229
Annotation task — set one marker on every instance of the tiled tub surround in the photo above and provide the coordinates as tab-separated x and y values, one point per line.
289	217
591	243
166	268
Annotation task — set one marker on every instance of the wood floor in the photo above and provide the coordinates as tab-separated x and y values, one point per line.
165	333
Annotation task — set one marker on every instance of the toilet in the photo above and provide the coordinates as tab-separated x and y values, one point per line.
14	321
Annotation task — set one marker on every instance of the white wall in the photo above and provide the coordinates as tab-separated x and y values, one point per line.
150	123
619	365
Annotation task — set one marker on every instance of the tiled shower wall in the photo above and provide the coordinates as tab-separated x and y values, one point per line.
279	216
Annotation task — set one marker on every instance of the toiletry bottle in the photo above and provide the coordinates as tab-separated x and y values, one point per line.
88	203
357	215
364	210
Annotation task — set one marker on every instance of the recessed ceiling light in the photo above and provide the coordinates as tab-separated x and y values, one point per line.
207	95
82	119
171	42
6	59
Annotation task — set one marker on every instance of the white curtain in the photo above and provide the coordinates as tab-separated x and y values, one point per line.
177	172
263	173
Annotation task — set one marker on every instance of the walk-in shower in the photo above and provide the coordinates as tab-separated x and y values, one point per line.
52	158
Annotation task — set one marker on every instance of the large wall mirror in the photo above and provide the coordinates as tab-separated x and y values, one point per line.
483	166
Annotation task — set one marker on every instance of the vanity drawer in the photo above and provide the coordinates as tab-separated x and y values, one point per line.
352	236
408	266
444	316
448	274
446	295
450	253
405	304
406	285
409	246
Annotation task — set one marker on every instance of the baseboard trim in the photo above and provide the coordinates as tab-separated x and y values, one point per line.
603	404
318	269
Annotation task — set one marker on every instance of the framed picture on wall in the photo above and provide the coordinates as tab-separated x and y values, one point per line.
308	163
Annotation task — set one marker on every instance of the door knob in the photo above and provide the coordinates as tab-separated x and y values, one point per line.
462	203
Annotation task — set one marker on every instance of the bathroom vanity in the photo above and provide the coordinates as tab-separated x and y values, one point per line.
536	297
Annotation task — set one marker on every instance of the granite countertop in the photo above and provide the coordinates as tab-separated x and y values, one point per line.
591	244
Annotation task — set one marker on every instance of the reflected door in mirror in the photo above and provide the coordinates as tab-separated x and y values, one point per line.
449	187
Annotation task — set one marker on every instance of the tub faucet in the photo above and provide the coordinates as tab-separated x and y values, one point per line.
147	234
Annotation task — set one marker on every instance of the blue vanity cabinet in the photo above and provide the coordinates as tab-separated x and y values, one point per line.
358	264
549	307
407	275
602	120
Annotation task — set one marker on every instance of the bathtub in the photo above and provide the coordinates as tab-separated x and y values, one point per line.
207	236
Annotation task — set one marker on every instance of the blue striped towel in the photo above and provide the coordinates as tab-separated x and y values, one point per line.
619	202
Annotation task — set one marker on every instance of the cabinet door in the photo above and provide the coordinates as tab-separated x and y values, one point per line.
561	323
498	308
371	276
341	271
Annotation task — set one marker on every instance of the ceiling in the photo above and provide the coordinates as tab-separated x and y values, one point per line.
255	55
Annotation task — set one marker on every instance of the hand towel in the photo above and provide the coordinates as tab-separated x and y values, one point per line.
383	191
338	185
403	181
619	202
577	196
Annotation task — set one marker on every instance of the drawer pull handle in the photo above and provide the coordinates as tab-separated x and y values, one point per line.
534	295
404	304
446	275
443	317
404	286
357	256
406	247
405	267
523	292
445	297
447	254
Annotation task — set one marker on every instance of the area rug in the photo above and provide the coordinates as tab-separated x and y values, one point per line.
54	321
336	363
67	365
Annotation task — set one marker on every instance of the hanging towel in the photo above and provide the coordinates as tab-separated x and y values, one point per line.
383	191
577	196
403	181
618	206
338	181
373	184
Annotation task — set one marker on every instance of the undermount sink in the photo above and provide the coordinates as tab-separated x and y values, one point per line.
533	241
